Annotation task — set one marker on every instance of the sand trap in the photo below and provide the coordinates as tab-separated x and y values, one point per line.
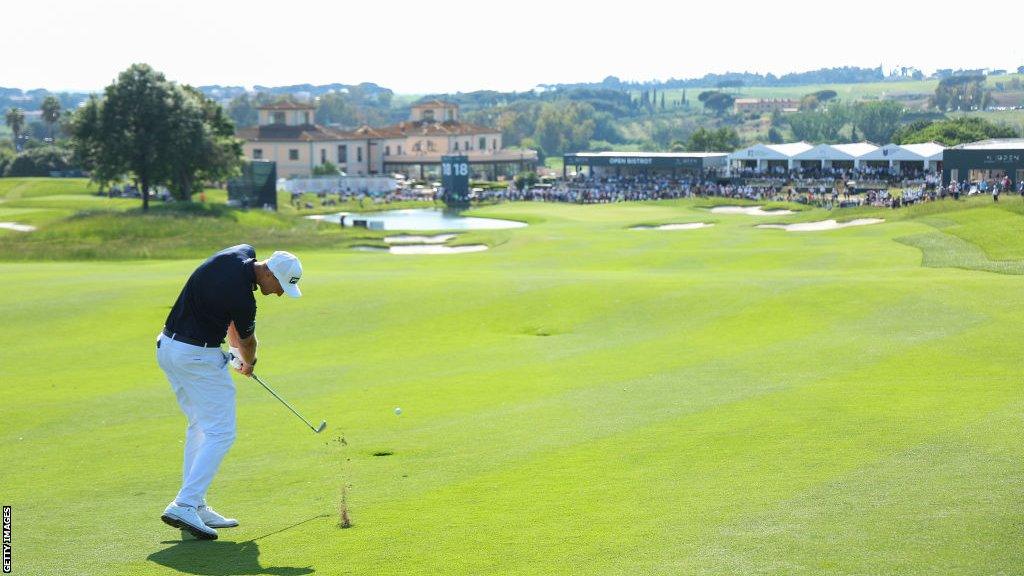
428	249
17	227
423	249
823	225
748	210
410	239
686	226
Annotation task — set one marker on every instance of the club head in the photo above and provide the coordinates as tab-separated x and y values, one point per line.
321	427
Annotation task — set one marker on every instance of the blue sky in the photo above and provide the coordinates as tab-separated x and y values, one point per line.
448	45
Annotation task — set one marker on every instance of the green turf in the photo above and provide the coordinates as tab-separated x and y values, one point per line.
580	399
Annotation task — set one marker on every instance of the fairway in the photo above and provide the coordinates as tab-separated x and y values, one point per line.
580	398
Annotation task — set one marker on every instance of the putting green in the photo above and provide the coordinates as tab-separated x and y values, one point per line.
579	399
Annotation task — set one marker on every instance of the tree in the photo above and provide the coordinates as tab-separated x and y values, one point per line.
325	169
335	108
242	111
155	132
809	102
15	119
724	139
39	162
965	92
517	121
6	157
718	102
51	112
952	132
525	180
732	83
564	126
877	121
825	95
206	148
126	132
819	125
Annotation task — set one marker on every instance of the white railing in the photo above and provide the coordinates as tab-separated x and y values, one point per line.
340	184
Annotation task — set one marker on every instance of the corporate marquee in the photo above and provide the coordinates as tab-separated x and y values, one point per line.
675	163
987	159
766	157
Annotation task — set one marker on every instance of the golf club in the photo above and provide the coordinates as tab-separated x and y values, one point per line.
315	430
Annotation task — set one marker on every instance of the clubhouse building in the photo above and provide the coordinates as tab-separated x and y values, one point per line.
287	135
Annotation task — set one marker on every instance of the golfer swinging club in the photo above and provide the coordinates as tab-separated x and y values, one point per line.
217	301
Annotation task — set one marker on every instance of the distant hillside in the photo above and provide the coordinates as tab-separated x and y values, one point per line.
842	75
32	99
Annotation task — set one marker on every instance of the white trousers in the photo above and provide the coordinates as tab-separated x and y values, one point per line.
202	383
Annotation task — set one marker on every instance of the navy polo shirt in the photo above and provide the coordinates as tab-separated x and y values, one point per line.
219	292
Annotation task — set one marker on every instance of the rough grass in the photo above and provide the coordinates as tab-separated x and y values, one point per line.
76	224
169	232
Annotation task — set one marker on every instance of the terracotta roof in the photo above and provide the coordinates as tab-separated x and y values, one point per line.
303	133
286	106
474	156
404	129
315	132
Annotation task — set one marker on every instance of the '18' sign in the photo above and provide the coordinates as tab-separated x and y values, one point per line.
460	169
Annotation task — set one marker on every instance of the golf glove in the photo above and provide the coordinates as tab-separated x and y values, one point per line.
234	358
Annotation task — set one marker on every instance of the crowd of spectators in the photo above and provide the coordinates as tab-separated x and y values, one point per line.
594	190
132	191
299	200
828	188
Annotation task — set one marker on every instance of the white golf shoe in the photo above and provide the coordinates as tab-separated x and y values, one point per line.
187	518
211	518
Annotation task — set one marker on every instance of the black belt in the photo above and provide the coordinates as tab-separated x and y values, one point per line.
186	340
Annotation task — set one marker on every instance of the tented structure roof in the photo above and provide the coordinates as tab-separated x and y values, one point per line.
994	144
927	151
836	151
771	151
902	153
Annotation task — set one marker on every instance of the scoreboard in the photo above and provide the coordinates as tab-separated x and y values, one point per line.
455	179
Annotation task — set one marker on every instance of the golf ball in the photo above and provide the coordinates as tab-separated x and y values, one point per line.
398	411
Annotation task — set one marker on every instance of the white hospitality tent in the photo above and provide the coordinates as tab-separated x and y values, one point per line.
897	157
930	152
765	157
833	155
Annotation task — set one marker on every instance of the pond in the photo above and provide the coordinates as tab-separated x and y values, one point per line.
417	219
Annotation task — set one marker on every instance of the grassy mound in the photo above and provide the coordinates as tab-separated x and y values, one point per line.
77	224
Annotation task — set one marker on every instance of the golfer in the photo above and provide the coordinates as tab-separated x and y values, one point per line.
216	302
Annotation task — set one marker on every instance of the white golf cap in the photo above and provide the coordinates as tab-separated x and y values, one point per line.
287	270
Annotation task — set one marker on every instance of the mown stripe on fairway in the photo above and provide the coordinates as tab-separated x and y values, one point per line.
943	506
941	250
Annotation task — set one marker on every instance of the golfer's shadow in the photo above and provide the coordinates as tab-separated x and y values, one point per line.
218	558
